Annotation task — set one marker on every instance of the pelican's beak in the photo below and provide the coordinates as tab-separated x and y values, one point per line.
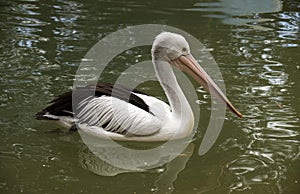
188	64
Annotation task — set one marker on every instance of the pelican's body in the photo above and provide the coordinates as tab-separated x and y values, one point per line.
121	113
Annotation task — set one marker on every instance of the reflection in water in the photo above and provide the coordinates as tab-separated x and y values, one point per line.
236	12
167	174
164	184
42	43
272	121
90	161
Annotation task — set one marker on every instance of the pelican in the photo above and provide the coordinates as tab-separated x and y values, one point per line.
121	113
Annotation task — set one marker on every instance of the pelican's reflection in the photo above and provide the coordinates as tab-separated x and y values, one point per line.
90	160
164	183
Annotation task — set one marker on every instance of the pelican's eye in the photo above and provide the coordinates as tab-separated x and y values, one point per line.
184	50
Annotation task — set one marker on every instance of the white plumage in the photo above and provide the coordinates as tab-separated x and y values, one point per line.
144	118
122	117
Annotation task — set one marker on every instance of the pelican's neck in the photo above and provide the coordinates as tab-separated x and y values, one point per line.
181	109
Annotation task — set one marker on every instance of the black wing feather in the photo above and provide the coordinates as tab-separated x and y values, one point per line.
62	105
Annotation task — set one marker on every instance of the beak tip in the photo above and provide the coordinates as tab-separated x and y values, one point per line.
239	115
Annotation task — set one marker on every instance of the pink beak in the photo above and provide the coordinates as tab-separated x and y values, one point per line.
188	64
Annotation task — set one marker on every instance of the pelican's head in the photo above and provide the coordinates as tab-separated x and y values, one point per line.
169	46
174	49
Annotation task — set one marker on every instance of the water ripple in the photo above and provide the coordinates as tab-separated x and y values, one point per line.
250	171
271	122
41	42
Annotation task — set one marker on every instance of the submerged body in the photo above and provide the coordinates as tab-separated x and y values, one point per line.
121	113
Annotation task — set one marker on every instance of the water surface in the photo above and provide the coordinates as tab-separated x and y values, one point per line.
256	46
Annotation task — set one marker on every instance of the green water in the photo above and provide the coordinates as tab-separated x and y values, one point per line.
255	43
